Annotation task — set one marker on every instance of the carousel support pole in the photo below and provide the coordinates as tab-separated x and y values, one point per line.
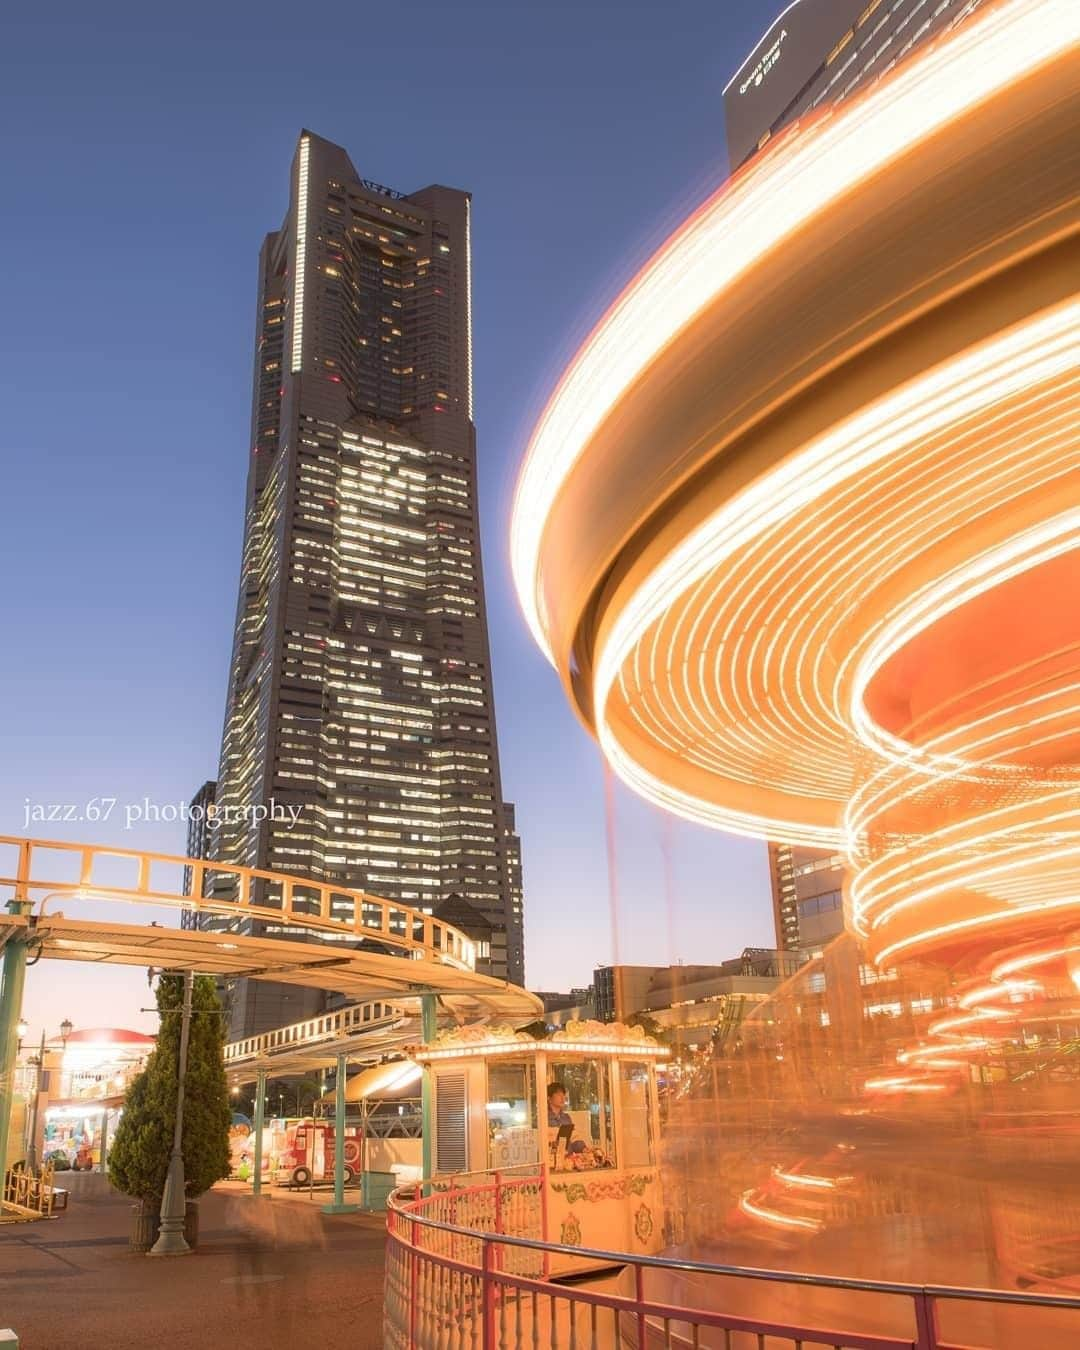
429	1025
339	1206
260	1123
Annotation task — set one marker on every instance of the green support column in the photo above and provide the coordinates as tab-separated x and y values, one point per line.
365	1157
339	1206
429	1026
260	1122
11	997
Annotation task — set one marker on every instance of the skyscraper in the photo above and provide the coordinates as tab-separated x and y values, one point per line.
820	52
360	684
200	835
808	896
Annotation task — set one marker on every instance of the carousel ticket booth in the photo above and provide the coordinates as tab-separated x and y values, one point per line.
571	1120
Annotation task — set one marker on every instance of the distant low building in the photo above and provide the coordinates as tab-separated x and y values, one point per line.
621	991
574	998
843	990
552	1000
689	1006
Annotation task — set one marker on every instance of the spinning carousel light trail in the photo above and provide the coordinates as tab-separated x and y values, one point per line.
800	524
809	1180
756	1210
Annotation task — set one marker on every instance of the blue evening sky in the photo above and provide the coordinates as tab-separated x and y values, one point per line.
147	153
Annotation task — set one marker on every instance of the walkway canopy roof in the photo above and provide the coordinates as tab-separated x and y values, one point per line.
313	965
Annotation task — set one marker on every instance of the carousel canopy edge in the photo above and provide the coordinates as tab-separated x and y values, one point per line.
606	1038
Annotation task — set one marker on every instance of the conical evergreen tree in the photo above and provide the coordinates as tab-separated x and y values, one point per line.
139	1157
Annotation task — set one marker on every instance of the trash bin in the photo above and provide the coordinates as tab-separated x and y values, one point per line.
146	1223
376	1189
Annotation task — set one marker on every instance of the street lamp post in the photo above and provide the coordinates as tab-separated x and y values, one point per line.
39	1078
171	1241
260	1122
66	1028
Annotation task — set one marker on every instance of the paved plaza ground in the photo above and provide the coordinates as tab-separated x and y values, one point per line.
270	1273
277	1274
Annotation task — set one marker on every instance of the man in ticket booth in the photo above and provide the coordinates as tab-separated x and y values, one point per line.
560	1125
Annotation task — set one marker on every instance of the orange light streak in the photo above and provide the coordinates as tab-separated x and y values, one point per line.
774	1216
736	227
810	1181
825	598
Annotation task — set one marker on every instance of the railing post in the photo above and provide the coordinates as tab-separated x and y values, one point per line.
498	1205
925	1321
429	1029
413	1281
487	1290
23	870
546	1258
453	1220
639	1299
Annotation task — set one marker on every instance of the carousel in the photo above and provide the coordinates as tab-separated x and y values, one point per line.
570	1121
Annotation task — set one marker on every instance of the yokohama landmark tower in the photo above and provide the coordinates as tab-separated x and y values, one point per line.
360	683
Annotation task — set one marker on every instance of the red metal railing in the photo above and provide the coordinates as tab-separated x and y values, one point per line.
508	1205
454	1281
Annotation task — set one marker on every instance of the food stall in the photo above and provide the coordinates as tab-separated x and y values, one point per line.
592	1164
77	1133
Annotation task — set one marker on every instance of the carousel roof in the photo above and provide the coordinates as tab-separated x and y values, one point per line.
587	1038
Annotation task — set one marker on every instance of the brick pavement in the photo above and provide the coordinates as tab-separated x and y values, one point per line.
273	1273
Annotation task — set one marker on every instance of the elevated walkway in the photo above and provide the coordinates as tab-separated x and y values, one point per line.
402	967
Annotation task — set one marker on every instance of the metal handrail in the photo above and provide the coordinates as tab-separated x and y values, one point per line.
403	1202
346	1023
397	925
515	1172
423	1302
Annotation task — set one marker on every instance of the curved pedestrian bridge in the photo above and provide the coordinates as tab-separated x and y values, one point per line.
310	933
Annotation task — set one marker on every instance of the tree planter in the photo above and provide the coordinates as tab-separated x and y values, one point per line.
146	1223
149	1132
